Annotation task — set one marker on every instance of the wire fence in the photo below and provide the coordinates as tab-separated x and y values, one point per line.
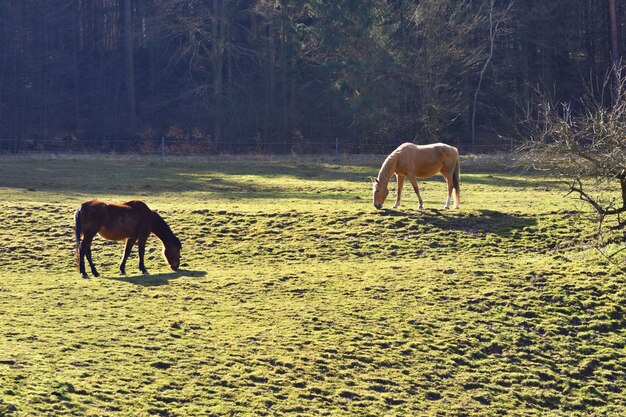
165	147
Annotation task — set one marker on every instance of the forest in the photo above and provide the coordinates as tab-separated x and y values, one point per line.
282	76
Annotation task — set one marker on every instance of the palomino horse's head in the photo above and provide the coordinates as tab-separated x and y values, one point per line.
172	253
380	192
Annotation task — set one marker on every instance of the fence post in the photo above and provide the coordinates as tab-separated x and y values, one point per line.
162	148
336	149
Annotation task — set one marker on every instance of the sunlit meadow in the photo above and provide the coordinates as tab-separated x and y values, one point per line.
297	297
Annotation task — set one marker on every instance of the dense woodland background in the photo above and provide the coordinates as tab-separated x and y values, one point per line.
290	76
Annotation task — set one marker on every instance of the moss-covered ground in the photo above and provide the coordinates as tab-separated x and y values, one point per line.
297	297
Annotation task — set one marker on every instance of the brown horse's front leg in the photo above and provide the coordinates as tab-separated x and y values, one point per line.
142	251
127	249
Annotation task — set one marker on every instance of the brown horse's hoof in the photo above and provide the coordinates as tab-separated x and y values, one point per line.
84	275
95	274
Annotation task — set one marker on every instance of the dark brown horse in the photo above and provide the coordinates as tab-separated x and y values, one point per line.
132	221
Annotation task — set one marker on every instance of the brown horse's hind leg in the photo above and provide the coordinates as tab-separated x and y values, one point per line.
417	191
127	249
85	250
81	261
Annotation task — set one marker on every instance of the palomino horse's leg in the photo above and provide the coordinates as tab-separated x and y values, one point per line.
450	186
85	250
399	192
417	191
450	181
127	249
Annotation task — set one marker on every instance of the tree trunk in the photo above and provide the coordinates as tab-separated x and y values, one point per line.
129	64
613	24
615	58
217	32
271	78
75	47
590	51
282	61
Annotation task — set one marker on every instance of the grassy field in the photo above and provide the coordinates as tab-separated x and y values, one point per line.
297	297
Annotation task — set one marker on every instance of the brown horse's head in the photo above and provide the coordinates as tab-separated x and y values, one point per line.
380	192
172	253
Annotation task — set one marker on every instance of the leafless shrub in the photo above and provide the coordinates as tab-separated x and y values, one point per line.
585	144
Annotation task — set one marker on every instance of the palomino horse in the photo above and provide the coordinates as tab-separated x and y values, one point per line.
419	161
132	221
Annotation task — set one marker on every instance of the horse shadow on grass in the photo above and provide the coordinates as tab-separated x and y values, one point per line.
160	279
481	221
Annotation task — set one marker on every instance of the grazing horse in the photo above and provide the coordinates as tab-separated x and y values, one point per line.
418	161
132	221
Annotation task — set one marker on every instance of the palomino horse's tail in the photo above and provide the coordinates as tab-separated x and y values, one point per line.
456	175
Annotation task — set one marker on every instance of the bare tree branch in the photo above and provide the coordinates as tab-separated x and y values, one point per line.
589	148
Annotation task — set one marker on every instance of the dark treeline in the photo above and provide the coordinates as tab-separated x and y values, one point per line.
284	75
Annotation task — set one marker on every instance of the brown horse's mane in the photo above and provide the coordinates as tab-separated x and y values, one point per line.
162	230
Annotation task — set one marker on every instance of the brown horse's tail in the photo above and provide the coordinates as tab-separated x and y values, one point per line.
456	176
77	228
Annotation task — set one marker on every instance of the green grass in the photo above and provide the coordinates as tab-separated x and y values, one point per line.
297	297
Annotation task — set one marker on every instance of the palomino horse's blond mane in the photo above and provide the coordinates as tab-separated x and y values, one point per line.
418	161
387	169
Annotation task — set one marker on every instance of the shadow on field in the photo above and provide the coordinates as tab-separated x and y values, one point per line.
149	177
479	221
507	180
160	279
